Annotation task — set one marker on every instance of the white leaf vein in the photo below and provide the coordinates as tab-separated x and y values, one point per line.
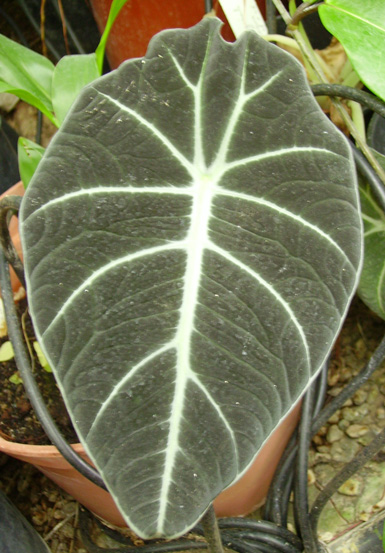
103	270
188	165
236	262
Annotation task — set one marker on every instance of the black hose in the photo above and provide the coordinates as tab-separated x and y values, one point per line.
301	506
341	91
277	501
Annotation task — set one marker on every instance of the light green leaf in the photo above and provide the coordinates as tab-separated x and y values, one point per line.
116	6
41	357
16	379
372	284
29	155
6	352
26	74
71	74
360	27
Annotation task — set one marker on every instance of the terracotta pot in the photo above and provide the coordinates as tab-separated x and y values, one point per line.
139	21
16	190
240	499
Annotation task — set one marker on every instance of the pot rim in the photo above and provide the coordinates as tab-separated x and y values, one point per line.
33	450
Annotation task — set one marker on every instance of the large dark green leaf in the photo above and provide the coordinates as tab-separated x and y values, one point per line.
191	240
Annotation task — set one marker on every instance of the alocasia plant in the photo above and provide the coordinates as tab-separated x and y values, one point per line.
192	241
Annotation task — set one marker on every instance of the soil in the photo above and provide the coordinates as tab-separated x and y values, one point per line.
18	422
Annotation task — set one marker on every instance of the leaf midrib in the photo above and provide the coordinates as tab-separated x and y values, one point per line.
357	17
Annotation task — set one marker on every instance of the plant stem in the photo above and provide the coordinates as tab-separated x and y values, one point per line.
281	39
358	118
309	56
282	11
211	531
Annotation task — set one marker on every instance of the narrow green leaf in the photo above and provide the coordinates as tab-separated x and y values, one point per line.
41	357
27	74
360	27
71	74
6	352
116	6
30	99
372	284
29	155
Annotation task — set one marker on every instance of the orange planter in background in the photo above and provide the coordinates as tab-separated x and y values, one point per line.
140	20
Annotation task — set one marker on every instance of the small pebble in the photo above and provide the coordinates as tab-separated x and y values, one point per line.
39	518
69	508
335	417
310	477
348	403
380	413
355	414
322	458
349	414
68	531
334	391
367	438
360	348
350	487
53	496
363	409
356	430
333	378
343	424
346	374
372	394
379	506
360	397
323	449
344	450
334	434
